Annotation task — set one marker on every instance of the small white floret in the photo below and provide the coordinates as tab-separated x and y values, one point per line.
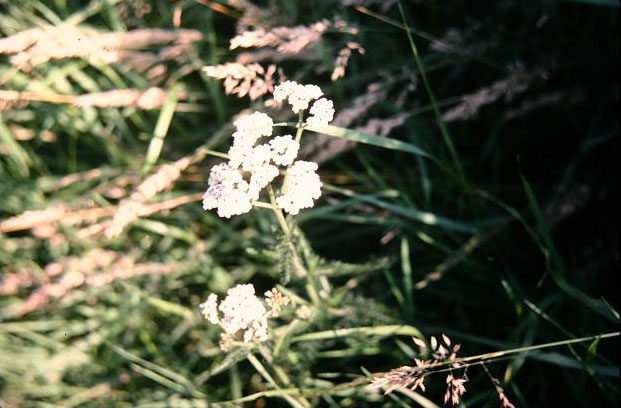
284	150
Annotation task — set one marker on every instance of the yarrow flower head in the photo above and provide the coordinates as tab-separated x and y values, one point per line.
243	312
302	189
284	150
298	95
249	129
322	112
256	124
282	91
228	191
234	185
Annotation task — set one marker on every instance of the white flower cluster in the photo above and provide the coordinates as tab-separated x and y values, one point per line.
233	186
322	112
229	190
284	150
242	311
299	96
303	187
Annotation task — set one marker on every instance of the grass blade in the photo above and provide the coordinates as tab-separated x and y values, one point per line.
406	266
389	330
410	213
556	266
367	138
19	157
161	129
436	110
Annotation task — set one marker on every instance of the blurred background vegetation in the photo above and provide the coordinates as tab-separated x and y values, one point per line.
508	237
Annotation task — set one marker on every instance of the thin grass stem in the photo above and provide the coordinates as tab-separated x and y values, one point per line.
436	110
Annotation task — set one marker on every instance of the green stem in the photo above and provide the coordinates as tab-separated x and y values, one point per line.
265	374
311	285
311	282
280	373
261	204
278	212
216	154
531	348
434	103
298	134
